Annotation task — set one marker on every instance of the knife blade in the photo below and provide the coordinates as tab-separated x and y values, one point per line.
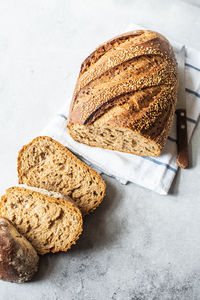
182	141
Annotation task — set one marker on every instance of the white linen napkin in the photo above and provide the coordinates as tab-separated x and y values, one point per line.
156	173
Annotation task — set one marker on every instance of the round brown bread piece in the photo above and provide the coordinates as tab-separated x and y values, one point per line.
18	258
126	94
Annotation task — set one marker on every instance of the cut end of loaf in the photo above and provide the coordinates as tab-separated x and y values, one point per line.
119	139
18	258
46	164
49	223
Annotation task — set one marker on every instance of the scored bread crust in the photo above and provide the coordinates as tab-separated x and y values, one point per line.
68	153
100	88
60	201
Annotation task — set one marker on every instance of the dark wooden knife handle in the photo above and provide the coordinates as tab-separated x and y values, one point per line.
182	141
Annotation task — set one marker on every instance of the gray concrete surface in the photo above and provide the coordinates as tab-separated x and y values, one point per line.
138	244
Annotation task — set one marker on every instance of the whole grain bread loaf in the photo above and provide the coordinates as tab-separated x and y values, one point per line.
44	163
49	222
18	258
125	95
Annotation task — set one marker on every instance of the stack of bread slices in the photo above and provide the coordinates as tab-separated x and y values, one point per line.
48	213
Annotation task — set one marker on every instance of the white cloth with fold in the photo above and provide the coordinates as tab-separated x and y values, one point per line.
156	173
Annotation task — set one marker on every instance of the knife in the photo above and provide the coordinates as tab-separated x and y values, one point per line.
182	141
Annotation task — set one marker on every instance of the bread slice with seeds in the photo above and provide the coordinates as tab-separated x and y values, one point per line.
50	223
44	163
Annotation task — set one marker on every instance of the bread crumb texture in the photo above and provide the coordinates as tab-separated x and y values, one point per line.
126	94
49	223
44	163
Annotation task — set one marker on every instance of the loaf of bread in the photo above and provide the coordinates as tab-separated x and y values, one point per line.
49	221
44	163
18	258
125	95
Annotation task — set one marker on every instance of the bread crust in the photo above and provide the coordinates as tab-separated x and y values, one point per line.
100	87
60	201
18	258
68	153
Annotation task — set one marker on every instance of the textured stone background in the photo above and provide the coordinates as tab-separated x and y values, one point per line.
138	244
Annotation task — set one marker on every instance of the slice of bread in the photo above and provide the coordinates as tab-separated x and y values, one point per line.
51	224
44	163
